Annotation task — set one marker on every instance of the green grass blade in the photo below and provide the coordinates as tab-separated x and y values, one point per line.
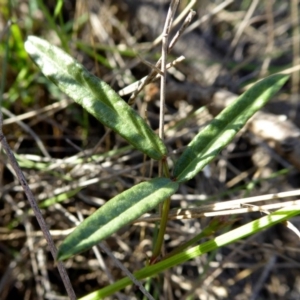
117	212
218	242
210	141
97	97
59	198
52	23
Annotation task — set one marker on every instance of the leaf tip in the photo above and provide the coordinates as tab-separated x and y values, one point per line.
62	254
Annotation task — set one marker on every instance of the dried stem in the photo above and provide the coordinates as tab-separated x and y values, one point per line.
163	68
29	195
163	164
37	212
153	73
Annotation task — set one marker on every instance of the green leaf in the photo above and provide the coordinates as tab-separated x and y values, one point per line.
211	245
213	138
94	95
117	212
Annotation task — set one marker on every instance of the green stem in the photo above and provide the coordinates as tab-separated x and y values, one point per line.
162	230
53	25
164	219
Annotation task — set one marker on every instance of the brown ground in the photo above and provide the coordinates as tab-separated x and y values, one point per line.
221	56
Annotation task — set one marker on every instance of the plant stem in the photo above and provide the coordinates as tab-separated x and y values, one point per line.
163	167
162	229
164	219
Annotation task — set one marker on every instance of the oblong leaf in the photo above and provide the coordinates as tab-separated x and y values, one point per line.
117	212
213	138
94	95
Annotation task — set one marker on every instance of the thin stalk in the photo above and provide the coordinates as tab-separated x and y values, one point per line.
163	167
53	25
164	219
14	164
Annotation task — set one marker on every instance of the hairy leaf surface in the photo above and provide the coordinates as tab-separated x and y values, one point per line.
117	212
212	139
94	95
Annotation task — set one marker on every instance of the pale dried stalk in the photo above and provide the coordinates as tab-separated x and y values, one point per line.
153	73
37	212
163	68
29	195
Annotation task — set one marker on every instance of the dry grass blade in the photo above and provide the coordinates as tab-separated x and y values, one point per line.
138	85
214	211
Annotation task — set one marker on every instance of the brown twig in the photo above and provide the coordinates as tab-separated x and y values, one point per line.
37	212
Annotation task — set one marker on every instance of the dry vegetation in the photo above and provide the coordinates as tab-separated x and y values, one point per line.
53	139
